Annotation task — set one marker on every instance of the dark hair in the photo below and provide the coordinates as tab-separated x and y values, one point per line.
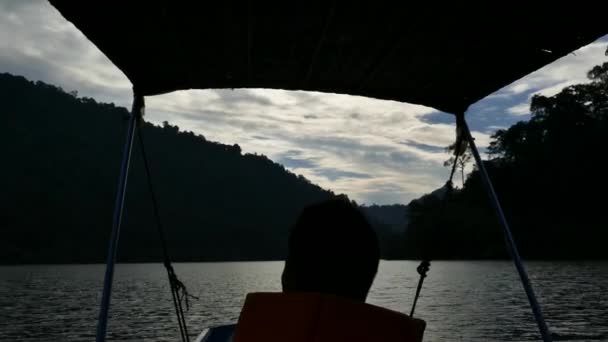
332	249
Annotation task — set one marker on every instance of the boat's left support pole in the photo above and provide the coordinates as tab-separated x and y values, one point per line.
136	115
464	131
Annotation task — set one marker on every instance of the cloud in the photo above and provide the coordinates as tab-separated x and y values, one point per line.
293	159
335	174
234	99
568	70
520	109
375	151
496	128
554	89
425	147
36	42
511	103
260	137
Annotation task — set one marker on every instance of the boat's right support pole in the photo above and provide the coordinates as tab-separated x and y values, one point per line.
510	242
136	115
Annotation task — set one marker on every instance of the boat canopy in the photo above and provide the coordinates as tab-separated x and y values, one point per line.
445	56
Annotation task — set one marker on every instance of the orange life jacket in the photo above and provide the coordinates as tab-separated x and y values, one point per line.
314	317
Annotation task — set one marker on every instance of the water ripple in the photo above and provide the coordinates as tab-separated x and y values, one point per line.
461	301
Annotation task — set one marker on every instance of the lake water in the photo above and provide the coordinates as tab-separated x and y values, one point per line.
461	301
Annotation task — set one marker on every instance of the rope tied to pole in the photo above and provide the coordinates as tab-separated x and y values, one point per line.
179	292
422	269
180	288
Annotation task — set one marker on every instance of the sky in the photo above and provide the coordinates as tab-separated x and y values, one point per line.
374	151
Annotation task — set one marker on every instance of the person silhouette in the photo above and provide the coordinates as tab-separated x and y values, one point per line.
332	249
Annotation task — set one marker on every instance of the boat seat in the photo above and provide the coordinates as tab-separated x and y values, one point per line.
315	317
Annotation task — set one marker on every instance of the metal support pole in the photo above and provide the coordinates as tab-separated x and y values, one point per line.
136	114
511	246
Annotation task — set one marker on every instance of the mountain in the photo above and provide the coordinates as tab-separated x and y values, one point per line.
389	222
394	216
60	167
59	179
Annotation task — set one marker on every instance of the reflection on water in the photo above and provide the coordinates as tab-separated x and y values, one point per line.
461	301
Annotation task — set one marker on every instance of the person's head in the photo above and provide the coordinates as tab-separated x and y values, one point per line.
332	249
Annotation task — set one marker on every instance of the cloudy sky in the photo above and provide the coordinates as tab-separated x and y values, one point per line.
375	151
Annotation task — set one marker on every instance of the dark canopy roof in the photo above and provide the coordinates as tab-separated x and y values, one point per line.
446	57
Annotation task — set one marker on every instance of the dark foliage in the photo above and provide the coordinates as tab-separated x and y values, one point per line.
59	174
550	175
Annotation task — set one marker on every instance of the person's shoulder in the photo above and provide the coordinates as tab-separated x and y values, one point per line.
222	333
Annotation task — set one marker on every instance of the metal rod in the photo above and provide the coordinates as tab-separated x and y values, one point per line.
136	113
510	242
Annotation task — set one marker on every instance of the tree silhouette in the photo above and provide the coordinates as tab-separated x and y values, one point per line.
464	158
549	175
